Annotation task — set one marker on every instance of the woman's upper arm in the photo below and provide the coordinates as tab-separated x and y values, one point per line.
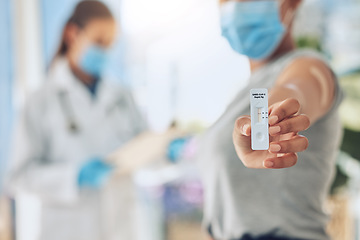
312	83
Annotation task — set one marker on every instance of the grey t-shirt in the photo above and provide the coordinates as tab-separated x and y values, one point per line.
287	202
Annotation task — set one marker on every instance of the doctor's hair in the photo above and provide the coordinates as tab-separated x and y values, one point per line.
84	12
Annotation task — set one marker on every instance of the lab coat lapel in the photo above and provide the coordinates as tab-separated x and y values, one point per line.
108	97
80	100
66	81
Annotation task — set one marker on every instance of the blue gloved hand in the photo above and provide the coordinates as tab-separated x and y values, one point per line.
176	149
94	173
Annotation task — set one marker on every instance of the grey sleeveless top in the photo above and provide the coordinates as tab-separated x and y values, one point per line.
287	202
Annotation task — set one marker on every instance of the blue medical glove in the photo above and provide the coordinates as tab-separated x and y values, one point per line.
94	173
176	149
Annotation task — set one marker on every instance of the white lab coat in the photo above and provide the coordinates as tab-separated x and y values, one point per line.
47	156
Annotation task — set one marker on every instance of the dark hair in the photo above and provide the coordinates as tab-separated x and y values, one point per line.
84	12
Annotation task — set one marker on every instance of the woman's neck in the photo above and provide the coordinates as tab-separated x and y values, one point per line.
286	46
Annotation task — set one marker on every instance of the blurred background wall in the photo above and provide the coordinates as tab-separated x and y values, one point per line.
6	81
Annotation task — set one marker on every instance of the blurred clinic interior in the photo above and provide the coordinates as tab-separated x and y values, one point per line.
101	103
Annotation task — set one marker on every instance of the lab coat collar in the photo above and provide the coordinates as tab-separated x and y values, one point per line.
63	79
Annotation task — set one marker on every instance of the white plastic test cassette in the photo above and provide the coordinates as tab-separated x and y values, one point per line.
259	119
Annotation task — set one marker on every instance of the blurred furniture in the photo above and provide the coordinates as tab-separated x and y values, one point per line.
6	227
341	225
169	196
170	199
186	230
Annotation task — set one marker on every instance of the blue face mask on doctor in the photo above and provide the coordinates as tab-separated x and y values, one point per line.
253	28
94	60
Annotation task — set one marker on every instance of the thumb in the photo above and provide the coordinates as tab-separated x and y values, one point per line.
243	126
242	135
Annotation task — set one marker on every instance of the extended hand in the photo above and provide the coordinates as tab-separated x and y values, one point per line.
284	125
94	173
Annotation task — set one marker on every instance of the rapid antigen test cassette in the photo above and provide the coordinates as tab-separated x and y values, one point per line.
259	119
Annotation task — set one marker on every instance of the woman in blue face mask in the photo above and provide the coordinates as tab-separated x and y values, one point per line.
277	193
69	127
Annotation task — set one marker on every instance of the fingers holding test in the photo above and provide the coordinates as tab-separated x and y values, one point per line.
285	109
292	124
296	144
283	161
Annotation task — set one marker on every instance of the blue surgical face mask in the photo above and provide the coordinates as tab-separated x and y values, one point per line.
253	28
94	60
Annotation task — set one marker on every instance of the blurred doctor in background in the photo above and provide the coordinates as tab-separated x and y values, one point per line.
66	130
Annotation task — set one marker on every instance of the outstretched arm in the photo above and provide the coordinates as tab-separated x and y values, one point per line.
302	94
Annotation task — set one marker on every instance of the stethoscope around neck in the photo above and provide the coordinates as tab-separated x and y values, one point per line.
72	125
68	111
